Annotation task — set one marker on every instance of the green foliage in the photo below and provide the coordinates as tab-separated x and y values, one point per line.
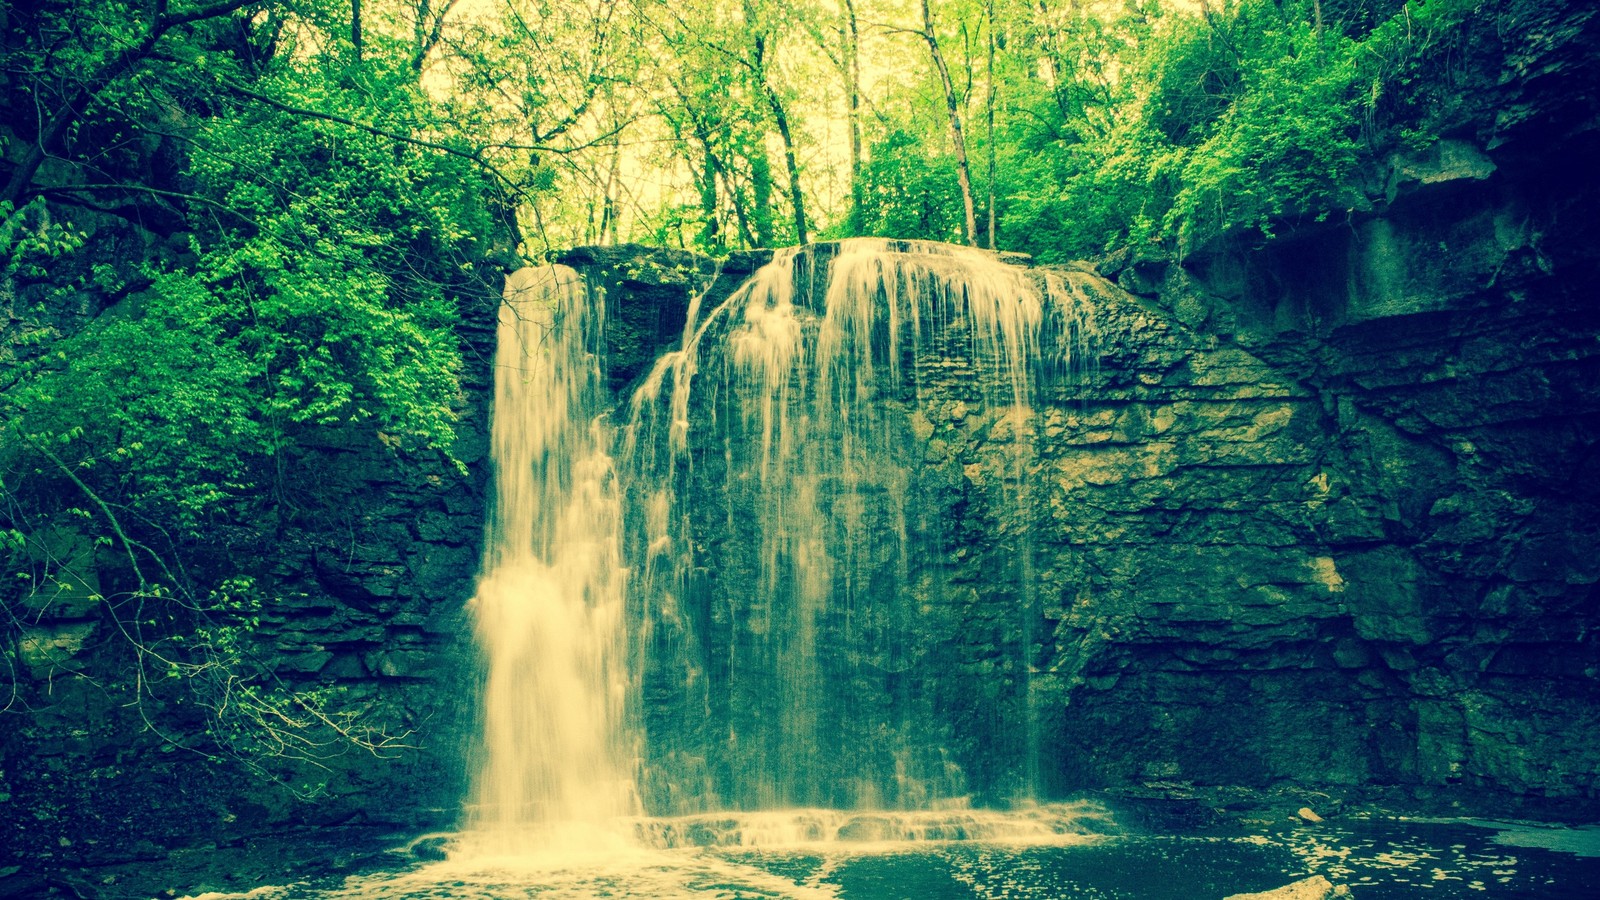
319	296
30	239
1287	143
1410	67
1162	128
908	192
152	403
334	262
326	217
1139	123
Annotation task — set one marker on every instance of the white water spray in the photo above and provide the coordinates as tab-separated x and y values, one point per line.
557	762
799	409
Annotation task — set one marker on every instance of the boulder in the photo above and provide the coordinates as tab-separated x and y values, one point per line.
1314	888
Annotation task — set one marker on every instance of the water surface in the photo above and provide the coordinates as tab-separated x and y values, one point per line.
1380	859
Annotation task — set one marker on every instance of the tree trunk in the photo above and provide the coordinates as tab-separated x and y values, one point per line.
761	197
852	78
780	117
709	239
427	31
989	101
790	161
963	170
608	208
739	215
355	27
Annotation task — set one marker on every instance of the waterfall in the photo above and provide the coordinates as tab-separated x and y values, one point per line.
792	540
549	608
757	595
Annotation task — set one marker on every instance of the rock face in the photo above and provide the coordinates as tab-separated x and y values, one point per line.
1333	509
1358	545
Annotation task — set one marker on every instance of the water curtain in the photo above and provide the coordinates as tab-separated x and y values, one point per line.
795	621
550	604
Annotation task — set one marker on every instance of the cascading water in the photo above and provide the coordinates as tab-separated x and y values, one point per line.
787	565
793	543
549	608
761	586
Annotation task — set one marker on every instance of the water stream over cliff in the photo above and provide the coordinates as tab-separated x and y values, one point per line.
790	552
549	608
799	396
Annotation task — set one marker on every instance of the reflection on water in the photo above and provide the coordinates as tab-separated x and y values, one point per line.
1055	852
1381	859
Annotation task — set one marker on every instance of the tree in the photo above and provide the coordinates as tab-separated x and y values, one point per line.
989	111
953	106
758	64
539	91
851	32
726	92
69	63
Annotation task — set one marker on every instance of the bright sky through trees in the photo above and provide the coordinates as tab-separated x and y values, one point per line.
716	125
689	87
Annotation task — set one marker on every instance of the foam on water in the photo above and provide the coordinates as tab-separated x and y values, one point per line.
1053	852
829	828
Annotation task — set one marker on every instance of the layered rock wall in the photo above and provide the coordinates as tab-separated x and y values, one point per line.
1323	516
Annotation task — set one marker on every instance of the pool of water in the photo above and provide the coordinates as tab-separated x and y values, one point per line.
1380	859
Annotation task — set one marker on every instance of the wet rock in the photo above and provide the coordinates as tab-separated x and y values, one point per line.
1446	160
431	847
1328	532
1314	888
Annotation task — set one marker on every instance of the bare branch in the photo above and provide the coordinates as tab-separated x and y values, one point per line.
428	37
201	13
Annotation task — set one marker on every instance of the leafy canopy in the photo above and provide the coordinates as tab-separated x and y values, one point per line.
311	216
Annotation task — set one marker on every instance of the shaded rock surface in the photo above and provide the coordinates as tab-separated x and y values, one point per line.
1330	514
